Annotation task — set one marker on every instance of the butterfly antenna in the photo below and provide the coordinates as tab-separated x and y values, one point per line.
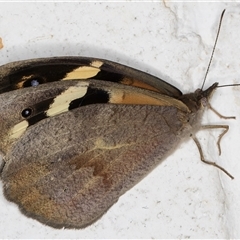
228	85
219	27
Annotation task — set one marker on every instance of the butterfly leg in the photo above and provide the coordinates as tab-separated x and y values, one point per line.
208	162
219	114
225	127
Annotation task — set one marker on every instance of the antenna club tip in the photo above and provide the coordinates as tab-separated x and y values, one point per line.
223	12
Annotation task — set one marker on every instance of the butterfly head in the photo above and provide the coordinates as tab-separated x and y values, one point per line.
199	99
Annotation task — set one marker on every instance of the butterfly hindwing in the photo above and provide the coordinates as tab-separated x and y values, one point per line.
75	165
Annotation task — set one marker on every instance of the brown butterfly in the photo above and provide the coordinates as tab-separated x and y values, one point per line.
74	145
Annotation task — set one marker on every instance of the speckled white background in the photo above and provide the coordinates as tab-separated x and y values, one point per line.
182	198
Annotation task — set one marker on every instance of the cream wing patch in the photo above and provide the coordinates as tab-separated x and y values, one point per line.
85	72
96	64
18	129
61	102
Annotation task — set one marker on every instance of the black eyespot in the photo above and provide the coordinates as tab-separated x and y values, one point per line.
33	82
26	112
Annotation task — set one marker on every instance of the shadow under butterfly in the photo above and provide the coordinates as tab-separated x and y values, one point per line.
77	133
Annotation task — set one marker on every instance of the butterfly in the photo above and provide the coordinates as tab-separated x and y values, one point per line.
78	132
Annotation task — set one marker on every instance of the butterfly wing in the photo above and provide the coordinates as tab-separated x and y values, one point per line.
25	107
44	70
67	170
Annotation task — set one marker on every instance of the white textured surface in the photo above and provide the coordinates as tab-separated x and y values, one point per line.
182	198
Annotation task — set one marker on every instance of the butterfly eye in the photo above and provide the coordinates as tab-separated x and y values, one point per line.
27	112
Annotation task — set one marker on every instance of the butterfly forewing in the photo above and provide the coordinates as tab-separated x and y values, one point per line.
38	71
